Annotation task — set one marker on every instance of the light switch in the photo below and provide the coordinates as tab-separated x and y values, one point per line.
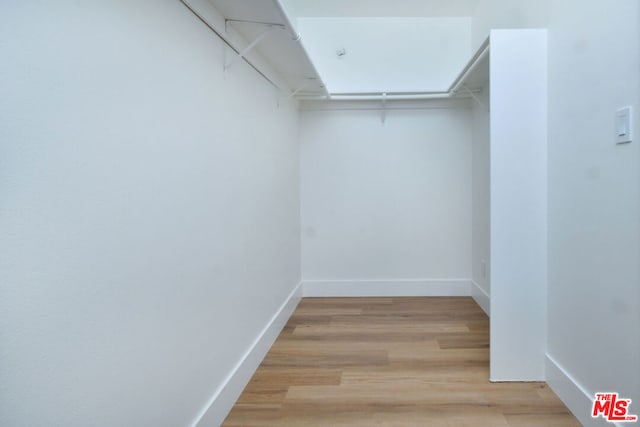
624	125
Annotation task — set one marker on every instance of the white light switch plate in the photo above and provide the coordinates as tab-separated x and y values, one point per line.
624	125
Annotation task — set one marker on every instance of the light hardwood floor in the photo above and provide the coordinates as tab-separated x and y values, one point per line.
389	362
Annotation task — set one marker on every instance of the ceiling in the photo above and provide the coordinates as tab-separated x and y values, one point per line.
382	8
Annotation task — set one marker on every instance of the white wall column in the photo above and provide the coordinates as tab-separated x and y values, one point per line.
518	204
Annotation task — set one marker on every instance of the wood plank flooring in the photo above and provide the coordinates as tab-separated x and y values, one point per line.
389	362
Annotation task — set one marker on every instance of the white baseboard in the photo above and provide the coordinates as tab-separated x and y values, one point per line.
481	297
386	288
572	393
226	395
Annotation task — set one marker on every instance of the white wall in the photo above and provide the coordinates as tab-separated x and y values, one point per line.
386	202
149	216
481	248
594	216
387	54
518	230
505	14
384	8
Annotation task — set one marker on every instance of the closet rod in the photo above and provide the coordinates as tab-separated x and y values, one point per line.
480	55
389	96
397	96
387	109
228	43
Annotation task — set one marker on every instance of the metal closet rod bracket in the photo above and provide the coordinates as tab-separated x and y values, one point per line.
244	52
475	97
383	113
309	82
241	54
226	41
270	27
